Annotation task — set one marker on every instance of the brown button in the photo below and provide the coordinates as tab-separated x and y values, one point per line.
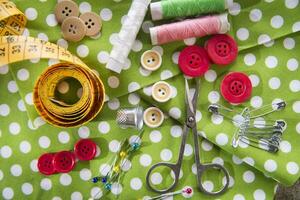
153	117
64	9
93	23
161	91
73	29
151	60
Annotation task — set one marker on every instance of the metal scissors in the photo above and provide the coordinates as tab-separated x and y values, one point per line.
190	123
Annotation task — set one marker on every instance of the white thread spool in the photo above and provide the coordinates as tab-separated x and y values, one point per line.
127	35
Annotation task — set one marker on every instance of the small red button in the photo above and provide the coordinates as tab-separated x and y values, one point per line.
45	164
236	87
85	149
222	49
64	161
193	61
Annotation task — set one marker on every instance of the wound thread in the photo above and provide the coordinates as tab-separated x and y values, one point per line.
182	8
199	27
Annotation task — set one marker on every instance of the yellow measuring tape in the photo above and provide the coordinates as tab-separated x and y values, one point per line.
18	48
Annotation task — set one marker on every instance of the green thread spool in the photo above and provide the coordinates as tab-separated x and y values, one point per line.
166	9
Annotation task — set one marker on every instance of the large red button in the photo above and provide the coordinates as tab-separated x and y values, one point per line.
64	161
45	164
236	87
85	149
222	49
193	61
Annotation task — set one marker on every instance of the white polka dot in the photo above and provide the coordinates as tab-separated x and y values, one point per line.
216	119
62	43
298	128
175	113
289	43
63	137
155	136
137	46
103	127
295	85
213	97
84	132
114	146
27	188
31	13
256	102
176	131
238	197
271	62
96	193
114	104
113	81
14	128
28	98
285	146
156	178
1	175
236	160
65	179
43	36
210	75
159	49
218	160
104	169
85	174
51	20
144	72
116	188
296	107
222	139
292	64
134	99
208	186
274	83
235	9
25	147
133	87
6	151
206	145
166	155
7	193
136	184
242	34
106	14
296	28
12	87
33	165
189	41
103	57
292	168
46	184
259	195
4	69
21	105
254	80
4	110
44	142
145	160
188	150
248	176
175	57
16	170
249	59
255	15
82	51
270	165
85	7
277	21
23	74
263	39
291	4
249	161
76	196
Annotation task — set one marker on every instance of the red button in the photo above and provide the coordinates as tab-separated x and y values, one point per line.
64	161
222	49
85	149
45	164
193	61
236	87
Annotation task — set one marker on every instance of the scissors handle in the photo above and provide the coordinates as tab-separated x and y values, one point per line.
176	170
217	167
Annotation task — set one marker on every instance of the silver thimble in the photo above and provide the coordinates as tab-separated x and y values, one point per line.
130	118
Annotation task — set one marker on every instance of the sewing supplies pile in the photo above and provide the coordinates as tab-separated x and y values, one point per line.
111	90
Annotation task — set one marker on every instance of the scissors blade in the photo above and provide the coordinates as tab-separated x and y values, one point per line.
188	100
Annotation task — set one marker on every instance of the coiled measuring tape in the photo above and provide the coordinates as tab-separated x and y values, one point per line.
18	48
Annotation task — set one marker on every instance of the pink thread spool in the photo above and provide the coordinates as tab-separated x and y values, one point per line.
199	27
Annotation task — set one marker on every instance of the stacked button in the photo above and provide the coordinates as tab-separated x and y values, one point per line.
153	117
161	92
151	60
193	61
236	87
85	149
74	28
64	161
45	164
222	49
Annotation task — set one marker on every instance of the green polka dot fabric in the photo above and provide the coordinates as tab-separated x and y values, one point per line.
267	32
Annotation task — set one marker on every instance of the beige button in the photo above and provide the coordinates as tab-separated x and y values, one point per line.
73	29
153	117
161	91
64	9
93	23
151	60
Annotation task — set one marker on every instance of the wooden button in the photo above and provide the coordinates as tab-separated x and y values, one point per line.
64	9
73	29
92	22
151	60
153	117
161	92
